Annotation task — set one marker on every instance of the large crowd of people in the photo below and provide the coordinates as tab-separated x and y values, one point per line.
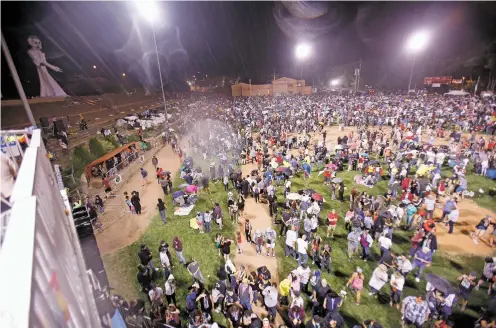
405	140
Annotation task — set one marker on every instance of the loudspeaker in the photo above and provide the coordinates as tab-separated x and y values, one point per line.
59	126
44	122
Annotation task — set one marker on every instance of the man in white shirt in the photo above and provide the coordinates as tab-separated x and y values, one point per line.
270	237
440	156
430	204
431	156
302	247
270	299
404	265
452	218
304	274
291	237
385	244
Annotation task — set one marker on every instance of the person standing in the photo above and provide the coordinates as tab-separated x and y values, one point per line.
270	300
225	246
366	242
144	177
467	284
155	295
135	201
325	258
162	209
422	259
286	217
452	218
248	230
355	283
302	245
194	270
145	256
353	242
378	279
270	241
332	220
207	219
155	162
414	310
178	247
397	283
164	184
245	294
341	192
291	237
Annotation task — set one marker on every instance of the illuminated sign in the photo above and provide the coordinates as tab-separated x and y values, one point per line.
438	80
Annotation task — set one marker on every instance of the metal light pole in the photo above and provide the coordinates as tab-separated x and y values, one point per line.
411	74
17	81
160	75
416	43
150	12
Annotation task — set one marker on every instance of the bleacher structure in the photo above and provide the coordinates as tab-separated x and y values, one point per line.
44	279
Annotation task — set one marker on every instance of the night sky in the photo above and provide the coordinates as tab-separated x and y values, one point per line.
245	40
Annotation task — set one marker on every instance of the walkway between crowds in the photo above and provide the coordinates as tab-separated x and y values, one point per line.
259	217
129	228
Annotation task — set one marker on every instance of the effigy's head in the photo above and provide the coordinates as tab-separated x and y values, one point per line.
34	42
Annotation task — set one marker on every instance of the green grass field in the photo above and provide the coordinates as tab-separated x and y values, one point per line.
121	266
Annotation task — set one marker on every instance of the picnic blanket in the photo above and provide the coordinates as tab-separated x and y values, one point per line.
184	211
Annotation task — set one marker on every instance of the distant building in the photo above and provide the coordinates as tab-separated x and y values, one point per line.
282	86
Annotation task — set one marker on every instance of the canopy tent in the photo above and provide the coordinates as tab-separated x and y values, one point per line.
96	162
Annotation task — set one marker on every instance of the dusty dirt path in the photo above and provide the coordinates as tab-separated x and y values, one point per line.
460	241
126	230
470	213
259	217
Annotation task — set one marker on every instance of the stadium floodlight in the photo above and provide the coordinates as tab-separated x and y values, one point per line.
335	82
148	10
302	51
417	41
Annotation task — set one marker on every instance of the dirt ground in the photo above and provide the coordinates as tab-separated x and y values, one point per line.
127	229
258	214
460	241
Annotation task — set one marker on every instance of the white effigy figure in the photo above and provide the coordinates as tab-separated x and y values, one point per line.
48	86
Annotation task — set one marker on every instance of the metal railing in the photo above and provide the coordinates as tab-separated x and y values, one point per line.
12	144
52	288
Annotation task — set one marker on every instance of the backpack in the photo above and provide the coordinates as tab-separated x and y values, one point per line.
144	173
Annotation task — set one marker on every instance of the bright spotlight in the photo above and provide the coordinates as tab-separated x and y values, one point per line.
148	10
302	51
417	41
123	74
94	66
335	82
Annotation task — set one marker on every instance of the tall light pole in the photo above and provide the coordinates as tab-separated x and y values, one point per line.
302	51
416	43
149	11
